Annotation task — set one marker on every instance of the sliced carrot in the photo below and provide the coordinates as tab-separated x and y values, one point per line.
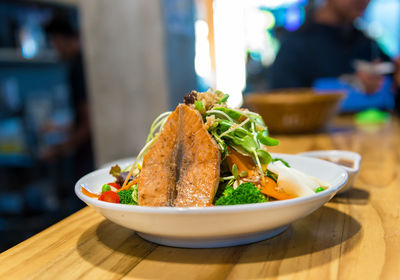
127	187
88	193
243	163
129	176
270	188
267	185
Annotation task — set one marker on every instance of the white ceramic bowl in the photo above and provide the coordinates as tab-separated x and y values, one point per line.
337	154
218	226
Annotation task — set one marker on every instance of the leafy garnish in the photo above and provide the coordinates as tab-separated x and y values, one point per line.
199	106
266	140
230	112
271	175
115	171
264	156
223	99
281	160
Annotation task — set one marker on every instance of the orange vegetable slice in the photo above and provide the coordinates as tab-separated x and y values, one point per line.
267	185
88	193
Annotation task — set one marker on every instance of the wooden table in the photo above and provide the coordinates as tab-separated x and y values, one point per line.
355	236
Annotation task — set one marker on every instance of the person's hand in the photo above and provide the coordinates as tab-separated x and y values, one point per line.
371	82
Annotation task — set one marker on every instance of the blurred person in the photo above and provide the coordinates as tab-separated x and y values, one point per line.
327	45
77	144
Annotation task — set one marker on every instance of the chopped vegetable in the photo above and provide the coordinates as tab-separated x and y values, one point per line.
244	194
135	194
223	99
105	188
266	140
270	188
125	197
119	175
319	189
281	160
199	106
88	193
115	171
128	186
271	175
114	185
109	196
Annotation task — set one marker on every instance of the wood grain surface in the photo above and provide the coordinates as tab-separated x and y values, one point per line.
355	236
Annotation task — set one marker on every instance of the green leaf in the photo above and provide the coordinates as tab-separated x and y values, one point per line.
222	145
223	99
319	189
272	175
281	160
232	113
266	140
115	171
247	143
264	156
235	171
199	106
105	188
224	125
257	119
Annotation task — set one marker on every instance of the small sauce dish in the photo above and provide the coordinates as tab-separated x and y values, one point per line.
350	161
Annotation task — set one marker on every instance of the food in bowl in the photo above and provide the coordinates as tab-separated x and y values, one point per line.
350	161
207	154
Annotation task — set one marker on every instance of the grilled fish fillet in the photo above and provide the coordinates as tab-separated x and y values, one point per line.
182	167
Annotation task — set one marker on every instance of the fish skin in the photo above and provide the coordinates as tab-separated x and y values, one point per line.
182	167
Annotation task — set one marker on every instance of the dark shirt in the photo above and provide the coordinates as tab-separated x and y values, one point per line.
320	51
83	154
76	79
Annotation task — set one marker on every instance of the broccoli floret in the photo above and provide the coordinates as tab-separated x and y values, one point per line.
125	197
244	194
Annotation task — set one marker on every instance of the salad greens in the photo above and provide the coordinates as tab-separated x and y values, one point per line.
244	194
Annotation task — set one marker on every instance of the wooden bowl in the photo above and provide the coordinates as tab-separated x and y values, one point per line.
294	111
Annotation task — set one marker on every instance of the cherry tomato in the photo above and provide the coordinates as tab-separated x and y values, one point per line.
109	196
115	185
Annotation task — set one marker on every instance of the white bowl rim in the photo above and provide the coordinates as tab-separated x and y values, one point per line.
356	157
212	209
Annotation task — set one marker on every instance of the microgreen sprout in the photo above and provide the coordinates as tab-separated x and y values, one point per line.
216	112
199	106
235	171
157	125
223	99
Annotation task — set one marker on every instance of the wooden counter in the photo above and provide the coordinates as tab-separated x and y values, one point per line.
355	236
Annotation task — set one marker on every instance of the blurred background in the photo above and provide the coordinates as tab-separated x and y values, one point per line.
81	81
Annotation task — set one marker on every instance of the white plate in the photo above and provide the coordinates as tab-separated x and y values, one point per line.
352	172
218	226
